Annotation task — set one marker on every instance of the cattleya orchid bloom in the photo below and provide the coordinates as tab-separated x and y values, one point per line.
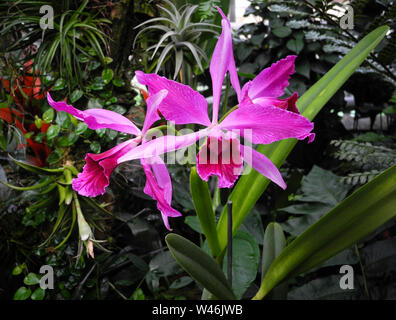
98	167
261	118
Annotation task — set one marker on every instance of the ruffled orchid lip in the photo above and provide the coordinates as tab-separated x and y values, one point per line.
98	167
220	156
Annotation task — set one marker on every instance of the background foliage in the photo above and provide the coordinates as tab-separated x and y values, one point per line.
89	58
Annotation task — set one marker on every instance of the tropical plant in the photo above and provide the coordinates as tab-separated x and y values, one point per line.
181	38
75	38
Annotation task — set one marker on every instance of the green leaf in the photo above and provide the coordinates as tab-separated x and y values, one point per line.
107	75
251	186
36	186
163	265
22	293
118	82
322	190
295	45
353	219
282	32
36	169
76	95
327	288
18	269
107	60
81	128
193	223
67	141
138	295
38	294
201	267
63	119
245	262
117	108
59	84
49	115
31	279
203	207
274	243
53	131
322	186
93	65
95	147
95	103
180	282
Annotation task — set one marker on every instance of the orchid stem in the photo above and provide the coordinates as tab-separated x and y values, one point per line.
168	128
229	242
228	112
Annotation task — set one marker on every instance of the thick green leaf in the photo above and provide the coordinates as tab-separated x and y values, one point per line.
295	45
282	32
38	294
203	207
81	128
245	262
321	191
354	218
22	293
274	243
36	169
36	186
163	265
59	84
53	131
327	288
251	186
107	75
49	115
31	279
18	269
201	267
76	95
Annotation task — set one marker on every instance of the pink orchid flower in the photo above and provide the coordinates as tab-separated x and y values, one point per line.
260	113
98	167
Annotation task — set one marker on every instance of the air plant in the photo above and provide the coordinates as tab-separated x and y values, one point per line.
181	36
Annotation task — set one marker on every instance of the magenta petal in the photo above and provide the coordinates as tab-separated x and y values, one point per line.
220	156
93	180
163	145
263	165
288	104
159	187
265	125
97	118
97	170
182	104
221	62
272	81
152	109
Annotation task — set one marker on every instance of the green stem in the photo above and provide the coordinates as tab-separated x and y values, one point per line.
363	273
163	127
228	112
229	242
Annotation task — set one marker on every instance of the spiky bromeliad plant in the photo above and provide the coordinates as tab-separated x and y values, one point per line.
180	35
76	35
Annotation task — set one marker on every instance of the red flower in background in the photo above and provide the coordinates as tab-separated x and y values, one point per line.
30	85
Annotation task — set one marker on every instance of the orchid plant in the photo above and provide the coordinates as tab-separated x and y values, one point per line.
259	113
261	117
